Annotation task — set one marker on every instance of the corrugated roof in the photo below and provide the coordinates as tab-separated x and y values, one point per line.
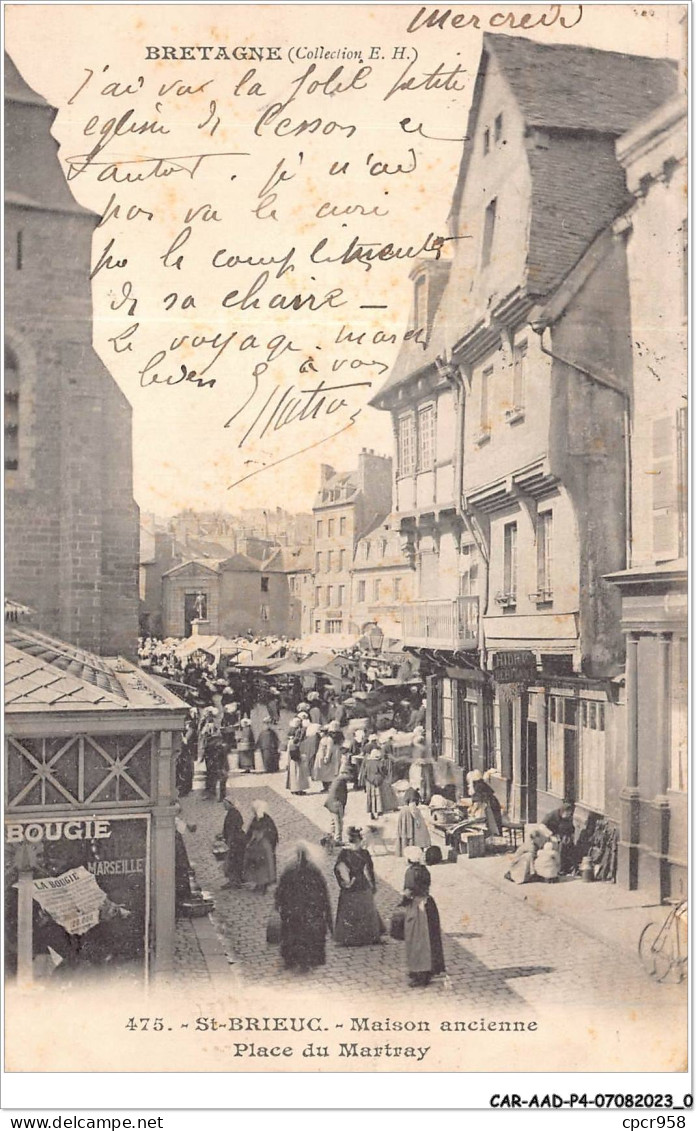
567	86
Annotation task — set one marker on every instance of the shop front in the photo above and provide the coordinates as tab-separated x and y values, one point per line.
89	813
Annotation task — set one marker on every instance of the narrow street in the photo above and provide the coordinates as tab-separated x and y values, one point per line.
500	949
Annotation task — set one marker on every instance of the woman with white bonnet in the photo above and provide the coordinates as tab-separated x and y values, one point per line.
422	935
246	743
259	855
298	778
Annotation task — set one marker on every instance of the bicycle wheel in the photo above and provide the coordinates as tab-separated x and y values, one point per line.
654	951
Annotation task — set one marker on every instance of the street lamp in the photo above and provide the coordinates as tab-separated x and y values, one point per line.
374	636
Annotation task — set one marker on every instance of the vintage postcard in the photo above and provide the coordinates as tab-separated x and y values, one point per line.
345	452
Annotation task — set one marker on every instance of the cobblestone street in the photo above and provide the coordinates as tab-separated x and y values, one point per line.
500	949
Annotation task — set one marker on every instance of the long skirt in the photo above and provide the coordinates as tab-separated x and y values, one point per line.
423	938
358	922
302	941
259	863
298	778
380	798
246	756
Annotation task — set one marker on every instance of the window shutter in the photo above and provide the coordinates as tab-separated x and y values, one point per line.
664	509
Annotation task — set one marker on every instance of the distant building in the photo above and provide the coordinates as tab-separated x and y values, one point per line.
382	580
71	524
346	504
299	562
229	597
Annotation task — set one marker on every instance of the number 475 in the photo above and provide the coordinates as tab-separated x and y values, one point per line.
142	1024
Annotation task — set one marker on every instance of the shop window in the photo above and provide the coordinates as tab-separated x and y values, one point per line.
555	739
497	741
361	591
426	437
407	445
488	231
317	626
447	720
334	626
592	755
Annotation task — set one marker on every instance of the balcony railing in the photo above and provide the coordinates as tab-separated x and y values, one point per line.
441	624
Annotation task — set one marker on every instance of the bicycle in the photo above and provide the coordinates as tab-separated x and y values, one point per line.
662	947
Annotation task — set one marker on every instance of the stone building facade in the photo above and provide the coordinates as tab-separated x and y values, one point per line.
513	429
71	524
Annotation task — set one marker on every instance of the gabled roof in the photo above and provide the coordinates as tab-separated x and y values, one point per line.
239	563
193	566
567	86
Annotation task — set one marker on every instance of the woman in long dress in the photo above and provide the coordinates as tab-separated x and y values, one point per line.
298	778
358	922
233	836
422	935
259	855
327	760
302	900
411	828
378	791
246	744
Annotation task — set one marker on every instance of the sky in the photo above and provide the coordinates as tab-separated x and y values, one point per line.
260	209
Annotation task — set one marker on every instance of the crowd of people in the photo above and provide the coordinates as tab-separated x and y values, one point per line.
330	740
327	745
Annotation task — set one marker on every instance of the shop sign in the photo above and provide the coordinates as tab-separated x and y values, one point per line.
514	667
91	879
